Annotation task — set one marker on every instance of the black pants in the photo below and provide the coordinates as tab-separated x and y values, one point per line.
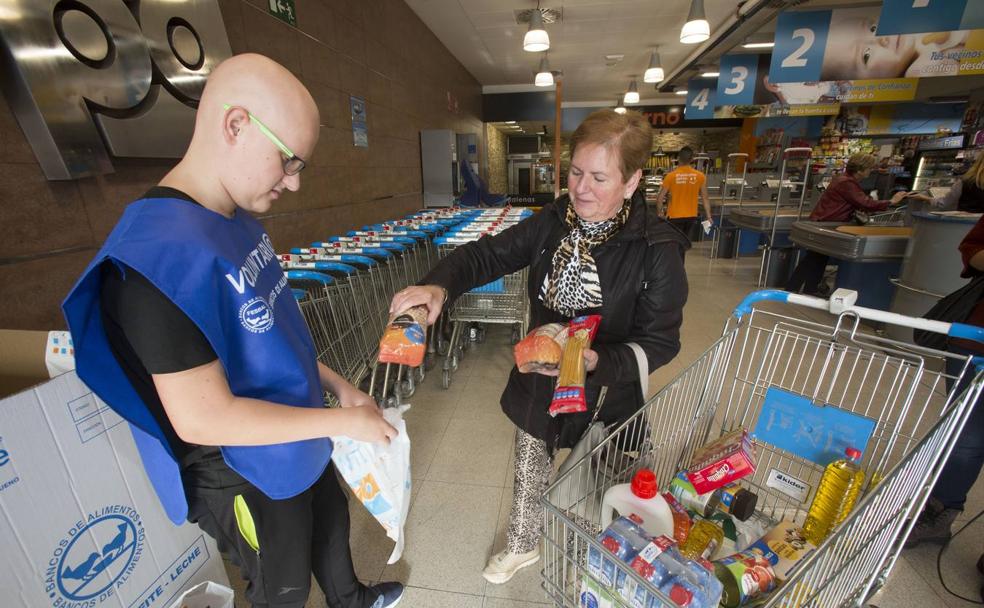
808	273
684	224
298	536
964	464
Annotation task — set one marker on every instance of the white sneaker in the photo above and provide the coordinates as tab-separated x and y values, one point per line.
502	566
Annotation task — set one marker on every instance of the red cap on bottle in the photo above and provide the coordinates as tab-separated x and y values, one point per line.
853	453
644	484
680	595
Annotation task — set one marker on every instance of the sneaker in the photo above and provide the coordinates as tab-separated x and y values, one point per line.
390	595
502	566
933	524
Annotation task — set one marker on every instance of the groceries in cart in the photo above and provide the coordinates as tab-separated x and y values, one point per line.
541	349
403	341
687	583
763	566
727	459
569	395
731	498
642	499
838	491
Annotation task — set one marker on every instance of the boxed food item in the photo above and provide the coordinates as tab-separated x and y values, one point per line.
404	340
727	459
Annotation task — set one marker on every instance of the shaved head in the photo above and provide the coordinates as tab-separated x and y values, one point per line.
232	160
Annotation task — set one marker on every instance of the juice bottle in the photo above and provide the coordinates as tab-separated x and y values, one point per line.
838	490
704	538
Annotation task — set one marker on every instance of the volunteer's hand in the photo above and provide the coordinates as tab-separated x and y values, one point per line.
430	296
898	197
366	423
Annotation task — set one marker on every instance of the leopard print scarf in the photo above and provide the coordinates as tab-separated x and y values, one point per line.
573	283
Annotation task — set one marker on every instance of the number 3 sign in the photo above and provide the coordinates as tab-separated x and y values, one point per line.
801	38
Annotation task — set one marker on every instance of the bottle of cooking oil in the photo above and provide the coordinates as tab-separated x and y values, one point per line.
838	491
704	538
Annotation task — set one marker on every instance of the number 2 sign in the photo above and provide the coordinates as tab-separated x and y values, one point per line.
801	38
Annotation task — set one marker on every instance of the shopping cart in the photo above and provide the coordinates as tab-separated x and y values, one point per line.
916	408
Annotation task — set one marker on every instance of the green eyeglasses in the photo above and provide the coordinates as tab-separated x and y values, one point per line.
293	164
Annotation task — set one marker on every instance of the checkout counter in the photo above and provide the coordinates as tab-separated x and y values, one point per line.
931	265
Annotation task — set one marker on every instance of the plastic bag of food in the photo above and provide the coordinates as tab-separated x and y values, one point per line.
541	349
569	395
404	341
379	476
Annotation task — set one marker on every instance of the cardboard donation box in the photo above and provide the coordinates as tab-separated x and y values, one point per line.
81	525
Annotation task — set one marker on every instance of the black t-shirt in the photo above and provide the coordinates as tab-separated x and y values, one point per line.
149	334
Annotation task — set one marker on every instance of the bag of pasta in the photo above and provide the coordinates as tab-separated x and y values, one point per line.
569	397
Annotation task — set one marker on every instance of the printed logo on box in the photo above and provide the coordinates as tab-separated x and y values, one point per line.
8	475
95	557
788	485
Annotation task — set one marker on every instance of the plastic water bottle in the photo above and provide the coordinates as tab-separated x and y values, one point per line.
641	498
838	491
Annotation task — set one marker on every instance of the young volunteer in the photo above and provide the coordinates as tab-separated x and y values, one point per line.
185	325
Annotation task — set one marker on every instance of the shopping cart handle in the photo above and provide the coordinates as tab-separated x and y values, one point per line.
309	275
967	332
763	295
299	294
335	267
349	258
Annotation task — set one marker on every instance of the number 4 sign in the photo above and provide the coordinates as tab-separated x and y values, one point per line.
801	38
700	99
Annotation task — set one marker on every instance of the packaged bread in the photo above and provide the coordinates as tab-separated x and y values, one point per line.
541	349
569	396
404	340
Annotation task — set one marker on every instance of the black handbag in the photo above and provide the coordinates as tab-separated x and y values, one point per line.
953	308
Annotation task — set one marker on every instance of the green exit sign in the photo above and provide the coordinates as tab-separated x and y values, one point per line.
284	10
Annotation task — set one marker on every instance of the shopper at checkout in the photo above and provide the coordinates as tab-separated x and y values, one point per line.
597	249
838	203
947	498
967	191
185	325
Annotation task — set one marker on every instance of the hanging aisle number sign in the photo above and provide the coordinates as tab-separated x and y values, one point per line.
917	16
737	80
700	98
801	38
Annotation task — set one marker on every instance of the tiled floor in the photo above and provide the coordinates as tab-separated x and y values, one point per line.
462	459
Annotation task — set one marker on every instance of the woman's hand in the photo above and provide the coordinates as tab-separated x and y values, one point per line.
430	296
898	197
590	363
349	396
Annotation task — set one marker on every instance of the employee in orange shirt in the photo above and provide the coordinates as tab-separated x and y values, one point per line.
684	184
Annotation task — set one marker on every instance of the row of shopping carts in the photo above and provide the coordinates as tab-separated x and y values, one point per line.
344	285
503	301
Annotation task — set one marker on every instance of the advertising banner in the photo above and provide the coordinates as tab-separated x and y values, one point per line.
899	119
917	16
842	44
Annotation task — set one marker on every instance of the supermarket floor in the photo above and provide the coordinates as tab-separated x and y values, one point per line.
462	483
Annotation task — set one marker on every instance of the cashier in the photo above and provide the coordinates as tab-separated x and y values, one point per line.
840	201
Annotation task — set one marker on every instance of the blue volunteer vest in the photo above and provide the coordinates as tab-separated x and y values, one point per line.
224	275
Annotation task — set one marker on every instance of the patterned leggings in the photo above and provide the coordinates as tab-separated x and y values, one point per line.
534	465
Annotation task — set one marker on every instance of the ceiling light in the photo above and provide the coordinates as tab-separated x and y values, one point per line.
681	91
544	77
710	74
758	45
510	122
632	95
536	39
654	73
696	29
619	108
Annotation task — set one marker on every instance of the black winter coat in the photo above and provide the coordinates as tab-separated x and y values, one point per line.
644	288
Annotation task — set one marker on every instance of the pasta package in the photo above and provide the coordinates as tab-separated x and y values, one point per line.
569	397
404	342
541	349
